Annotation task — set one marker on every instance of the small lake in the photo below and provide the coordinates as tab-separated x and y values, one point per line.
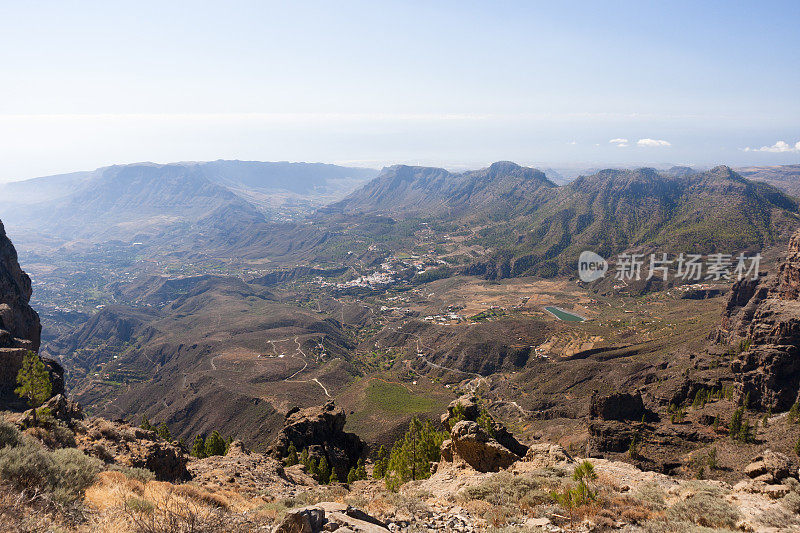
566	316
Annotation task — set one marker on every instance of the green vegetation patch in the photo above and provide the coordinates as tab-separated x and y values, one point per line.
395	398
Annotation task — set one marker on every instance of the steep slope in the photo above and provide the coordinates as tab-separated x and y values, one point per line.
19	324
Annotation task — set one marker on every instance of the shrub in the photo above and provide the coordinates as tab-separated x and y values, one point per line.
139	505
64	473
9	434
142	475
508	489
651	496
705	509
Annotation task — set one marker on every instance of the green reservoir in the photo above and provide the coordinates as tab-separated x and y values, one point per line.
566	316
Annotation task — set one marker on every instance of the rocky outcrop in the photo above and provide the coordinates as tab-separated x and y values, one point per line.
329	516
615	420
477	439
771	474
20	329
126	445
619	406
771	467
763	318
468	407
471	444
320	430
59	407
19	324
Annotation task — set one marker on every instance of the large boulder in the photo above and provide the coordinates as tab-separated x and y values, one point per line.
320	430
474	446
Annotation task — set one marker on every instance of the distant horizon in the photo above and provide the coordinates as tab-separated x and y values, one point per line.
447	84
571	170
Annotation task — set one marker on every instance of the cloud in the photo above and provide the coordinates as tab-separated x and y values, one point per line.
619	142
653	143
778	147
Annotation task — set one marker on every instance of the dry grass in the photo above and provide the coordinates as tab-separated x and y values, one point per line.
121	504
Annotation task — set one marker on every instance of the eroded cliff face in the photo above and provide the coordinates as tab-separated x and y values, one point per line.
20	329
763	316
19	324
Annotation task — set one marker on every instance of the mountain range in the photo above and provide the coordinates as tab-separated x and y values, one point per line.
138	201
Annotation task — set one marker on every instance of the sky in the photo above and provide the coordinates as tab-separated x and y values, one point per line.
457	84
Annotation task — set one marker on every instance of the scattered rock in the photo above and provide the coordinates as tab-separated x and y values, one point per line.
329	516
769	465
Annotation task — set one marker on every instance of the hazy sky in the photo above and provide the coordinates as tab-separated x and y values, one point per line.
462	83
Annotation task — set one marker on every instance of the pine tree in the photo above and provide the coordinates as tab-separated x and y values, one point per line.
712	459
34	382
361	469
146	425
291	455
745	432
199	447
486	422
323	471
794	413
163	432
304	458
215	444
351	476
334	478
411	457
735	427
381	463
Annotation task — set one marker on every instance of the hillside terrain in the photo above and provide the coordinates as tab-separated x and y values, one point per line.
423	292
